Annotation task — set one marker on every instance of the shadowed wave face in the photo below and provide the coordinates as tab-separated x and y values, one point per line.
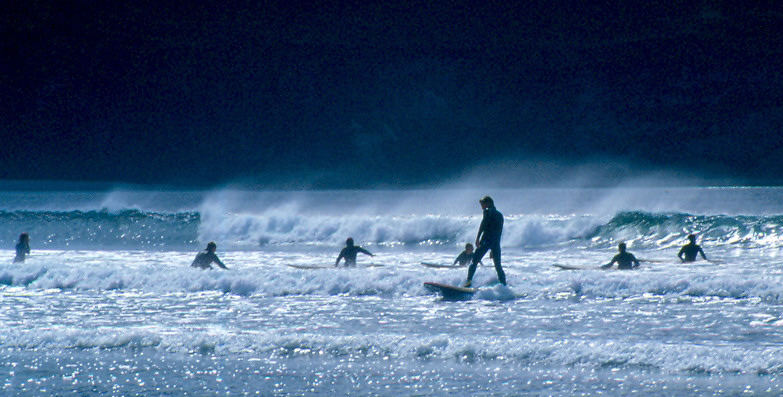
135	229
127	229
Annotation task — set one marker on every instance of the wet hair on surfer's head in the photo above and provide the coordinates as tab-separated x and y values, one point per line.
486	200
211	246
349	241
24	237
468	246
621	246
692	237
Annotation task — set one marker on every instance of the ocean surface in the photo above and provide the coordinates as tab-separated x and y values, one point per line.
107	303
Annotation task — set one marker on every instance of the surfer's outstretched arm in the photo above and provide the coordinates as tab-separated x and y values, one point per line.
341	256
608	265
214	259
701	251
364	251
220	263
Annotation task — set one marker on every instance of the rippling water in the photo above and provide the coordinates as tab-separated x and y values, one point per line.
93	321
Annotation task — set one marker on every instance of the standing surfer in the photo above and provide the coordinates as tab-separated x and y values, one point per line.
22	247
204	259
349	253
488	238
690	250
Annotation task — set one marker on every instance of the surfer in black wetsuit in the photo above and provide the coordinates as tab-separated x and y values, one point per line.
488	238
22	247
204	259
690	250
625	260
465	257
349	253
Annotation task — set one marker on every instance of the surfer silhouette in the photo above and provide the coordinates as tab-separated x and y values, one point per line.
691	250
349	253
204	259
465	257
488	239
625	260
22	247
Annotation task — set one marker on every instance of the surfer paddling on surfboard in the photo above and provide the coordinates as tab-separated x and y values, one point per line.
349	253
488	238
465	257
204	259
690	250
625	260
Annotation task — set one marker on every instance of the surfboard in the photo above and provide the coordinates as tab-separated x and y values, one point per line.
439	266
308	267
451	291
359	266
567	267
311	267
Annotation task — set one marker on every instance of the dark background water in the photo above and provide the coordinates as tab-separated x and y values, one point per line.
294	95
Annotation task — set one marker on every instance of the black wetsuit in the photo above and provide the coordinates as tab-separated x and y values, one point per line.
464	258
349	254
22	248
204	260
690	250
489	239
625	261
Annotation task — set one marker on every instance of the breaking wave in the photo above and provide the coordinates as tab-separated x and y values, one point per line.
136	229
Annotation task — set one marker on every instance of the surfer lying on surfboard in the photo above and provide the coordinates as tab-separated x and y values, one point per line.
349	253
625	260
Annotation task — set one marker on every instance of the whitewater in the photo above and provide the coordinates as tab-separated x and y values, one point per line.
107	303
